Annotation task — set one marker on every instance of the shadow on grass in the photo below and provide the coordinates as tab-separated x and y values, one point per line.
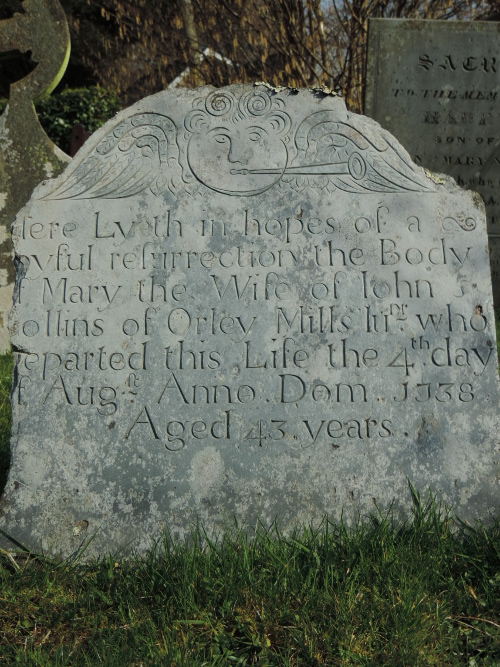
6	363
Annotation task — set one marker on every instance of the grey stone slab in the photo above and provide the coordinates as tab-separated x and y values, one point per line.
243	303
435	85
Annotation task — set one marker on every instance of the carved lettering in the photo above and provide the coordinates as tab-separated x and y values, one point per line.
227	304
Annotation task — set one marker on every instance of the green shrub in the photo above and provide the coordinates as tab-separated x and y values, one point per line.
91	107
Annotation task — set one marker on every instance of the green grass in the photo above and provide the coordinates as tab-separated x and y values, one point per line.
421	593
425	592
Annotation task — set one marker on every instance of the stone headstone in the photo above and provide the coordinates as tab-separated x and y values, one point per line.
27	155
246	303
435	85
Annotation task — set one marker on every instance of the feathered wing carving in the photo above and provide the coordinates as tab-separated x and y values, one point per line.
139	153
351	153
354	155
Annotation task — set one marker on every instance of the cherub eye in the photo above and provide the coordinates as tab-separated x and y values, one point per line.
221	138
254	136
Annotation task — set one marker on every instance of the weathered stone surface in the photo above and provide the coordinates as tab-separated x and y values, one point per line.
246	303
435	85
27	155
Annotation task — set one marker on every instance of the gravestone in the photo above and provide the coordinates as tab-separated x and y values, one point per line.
27	155
246	303
435	85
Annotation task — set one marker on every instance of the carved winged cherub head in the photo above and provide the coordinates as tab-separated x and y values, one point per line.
238	146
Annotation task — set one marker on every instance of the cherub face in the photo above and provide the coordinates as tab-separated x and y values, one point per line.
246	157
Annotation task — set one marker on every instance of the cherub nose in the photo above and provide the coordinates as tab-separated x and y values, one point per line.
238	153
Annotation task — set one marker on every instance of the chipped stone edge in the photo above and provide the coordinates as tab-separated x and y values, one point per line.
449	183
279	89
325	90
438	179
276	89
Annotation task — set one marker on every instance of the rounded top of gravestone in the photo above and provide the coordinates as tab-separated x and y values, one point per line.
240	141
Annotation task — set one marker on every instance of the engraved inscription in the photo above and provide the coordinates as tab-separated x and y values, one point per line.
219	349
252	303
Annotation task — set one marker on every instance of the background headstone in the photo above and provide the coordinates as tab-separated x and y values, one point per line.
27	155
246	303
435	85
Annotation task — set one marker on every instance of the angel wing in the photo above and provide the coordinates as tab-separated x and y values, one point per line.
354	155
139	153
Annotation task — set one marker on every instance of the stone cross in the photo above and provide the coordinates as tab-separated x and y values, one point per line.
27	155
